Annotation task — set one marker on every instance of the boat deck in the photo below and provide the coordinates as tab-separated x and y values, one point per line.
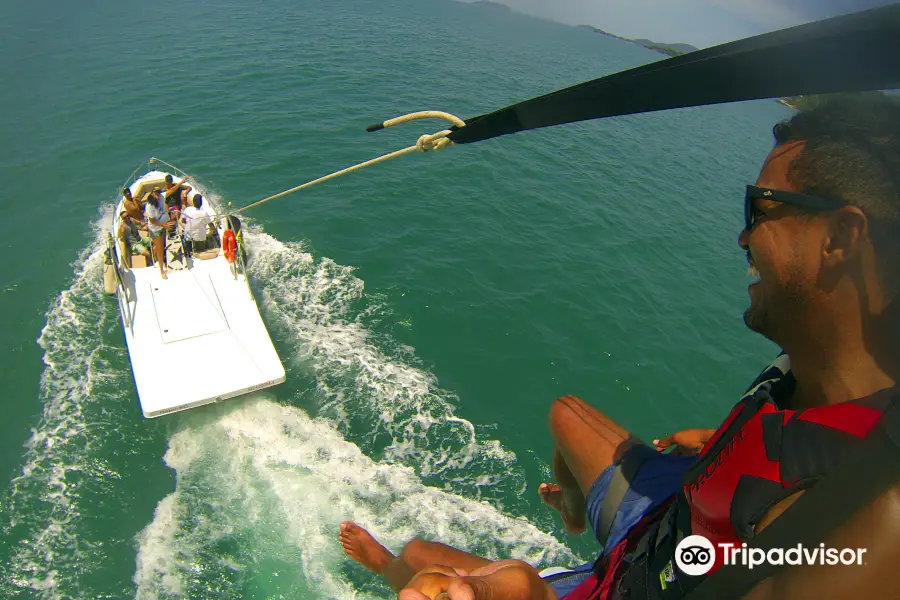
196	337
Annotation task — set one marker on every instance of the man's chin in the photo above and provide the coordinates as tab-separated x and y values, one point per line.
754	319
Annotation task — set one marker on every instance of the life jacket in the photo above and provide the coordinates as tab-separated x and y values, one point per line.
235	224
760	455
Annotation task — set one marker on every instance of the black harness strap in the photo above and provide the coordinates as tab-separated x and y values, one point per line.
623	474
868	472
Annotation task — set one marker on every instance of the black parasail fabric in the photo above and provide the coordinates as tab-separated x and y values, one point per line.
856	52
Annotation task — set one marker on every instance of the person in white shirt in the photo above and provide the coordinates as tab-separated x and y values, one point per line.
196	222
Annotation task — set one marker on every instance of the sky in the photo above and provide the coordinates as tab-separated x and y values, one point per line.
701	23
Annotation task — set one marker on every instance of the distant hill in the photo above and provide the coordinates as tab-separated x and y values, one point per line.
489	4
659	47
600	31
670	49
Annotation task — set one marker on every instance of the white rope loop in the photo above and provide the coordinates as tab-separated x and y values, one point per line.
436	141
424	114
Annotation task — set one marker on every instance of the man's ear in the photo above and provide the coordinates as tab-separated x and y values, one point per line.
848	229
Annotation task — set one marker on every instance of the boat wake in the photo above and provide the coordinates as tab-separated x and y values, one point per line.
360	431
65	464
371	387
262	488
372	430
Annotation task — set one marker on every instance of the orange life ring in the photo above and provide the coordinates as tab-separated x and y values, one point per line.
229	245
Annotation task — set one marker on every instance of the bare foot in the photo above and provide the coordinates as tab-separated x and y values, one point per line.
363	548
554	497
163	273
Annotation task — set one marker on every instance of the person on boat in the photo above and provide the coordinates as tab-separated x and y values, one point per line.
135	243
822	232
173	193
196	223
132	206
158	222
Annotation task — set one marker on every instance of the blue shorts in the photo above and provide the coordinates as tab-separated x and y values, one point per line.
653	478
657	479
564	581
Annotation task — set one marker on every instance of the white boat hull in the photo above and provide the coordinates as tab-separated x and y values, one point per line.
196	337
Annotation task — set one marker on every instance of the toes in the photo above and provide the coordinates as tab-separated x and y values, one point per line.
351	528
547	488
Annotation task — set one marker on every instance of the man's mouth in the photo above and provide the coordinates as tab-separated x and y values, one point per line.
752	271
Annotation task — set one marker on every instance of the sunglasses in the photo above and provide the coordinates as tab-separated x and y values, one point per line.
755	193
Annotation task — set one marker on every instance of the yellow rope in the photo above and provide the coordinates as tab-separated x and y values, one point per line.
436	141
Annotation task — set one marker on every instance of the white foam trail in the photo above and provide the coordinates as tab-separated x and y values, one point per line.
291	479
44	498
369	380
261	487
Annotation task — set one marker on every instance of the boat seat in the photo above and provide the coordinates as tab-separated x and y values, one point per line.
206	254
143	190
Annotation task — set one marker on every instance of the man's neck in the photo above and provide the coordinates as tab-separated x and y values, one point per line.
838	370
817	385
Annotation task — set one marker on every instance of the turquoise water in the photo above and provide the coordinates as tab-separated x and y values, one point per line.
426	310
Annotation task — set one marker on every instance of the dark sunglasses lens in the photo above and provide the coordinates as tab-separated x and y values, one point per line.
748	212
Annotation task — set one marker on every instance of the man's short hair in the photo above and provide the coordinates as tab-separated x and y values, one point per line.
168	179
126	191
852	152
197	200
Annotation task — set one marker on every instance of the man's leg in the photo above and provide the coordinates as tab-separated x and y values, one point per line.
419	554
415	556
586	443
142	247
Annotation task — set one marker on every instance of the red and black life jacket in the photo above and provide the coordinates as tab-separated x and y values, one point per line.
759	456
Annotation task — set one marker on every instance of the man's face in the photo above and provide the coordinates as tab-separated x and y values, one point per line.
785	248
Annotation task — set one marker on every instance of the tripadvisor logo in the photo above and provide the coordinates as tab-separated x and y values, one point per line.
696	555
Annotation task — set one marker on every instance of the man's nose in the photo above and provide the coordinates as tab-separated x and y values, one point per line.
744	239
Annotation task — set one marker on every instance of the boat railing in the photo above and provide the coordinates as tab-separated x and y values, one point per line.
146	167
239	266
239	260
121	288
154	160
